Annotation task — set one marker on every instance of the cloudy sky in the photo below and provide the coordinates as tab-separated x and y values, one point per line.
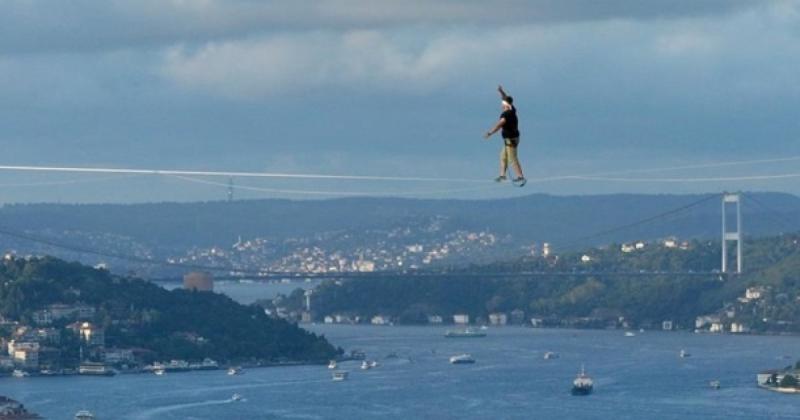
370	87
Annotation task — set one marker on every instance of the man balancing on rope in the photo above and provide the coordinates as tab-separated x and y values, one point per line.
509	124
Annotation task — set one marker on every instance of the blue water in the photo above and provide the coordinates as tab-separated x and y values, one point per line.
638	377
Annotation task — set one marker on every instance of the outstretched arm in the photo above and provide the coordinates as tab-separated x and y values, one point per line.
502	92
494	129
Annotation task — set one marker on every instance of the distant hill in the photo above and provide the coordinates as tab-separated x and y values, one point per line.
162	230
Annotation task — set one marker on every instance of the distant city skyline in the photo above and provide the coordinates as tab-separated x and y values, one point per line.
356	87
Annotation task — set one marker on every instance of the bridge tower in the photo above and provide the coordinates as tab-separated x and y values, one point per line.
308	294
730	199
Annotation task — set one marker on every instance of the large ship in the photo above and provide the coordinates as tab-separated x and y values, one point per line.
583	384
464	333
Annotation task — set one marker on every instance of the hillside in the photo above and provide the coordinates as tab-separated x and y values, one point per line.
639	288
52	295
283	234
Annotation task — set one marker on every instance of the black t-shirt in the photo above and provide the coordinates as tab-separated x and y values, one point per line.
510	128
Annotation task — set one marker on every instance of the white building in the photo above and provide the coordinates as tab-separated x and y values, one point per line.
753	293
461	319
498	318
586	258
627	248
667	325
738	328
380	320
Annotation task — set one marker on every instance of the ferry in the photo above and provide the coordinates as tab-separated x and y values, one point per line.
462	359
583	384
464	333
339	375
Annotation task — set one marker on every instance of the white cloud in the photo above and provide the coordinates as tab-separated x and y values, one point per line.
285	63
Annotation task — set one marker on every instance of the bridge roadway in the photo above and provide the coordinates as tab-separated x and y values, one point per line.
294	275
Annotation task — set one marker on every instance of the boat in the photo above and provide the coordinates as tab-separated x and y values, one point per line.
550	355
339	375
365	365
237	397
235	371
464	333
462	359
714	384
392	355
159	371
583	384
630	334
332	364
18	373
84	415
373	364
684	354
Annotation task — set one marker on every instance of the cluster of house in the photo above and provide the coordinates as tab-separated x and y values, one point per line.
36	347
725	320
515	317
627	248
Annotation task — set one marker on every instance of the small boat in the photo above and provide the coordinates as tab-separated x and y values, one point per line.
630	334
462	359
583	384
365	365
714	384
464	333
84	415
373	364
18	373
237	397
684	354
235	371
550	355
159	371
339	375
332	364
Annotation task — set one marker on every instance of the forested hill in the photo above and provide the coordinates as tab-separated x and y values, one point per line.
597	294
177	324
536	217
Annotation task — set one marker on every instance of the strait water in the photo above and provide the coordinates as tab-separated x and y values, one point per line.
635	377
638	377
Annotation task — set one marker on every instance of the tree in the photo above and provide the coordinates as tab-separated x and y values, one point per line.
788	381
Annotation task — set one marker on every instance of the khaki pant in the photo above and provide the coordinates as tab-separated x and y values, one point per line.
508	155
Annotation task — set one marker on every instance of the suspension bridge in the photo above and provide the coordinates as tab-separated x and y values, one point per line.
728	234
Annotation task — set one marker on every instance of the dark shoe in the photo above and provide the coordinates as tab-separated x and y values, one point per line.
520	181
500	178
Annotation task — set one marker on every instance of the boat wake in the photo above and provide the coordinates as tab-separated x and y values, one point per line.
155	413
